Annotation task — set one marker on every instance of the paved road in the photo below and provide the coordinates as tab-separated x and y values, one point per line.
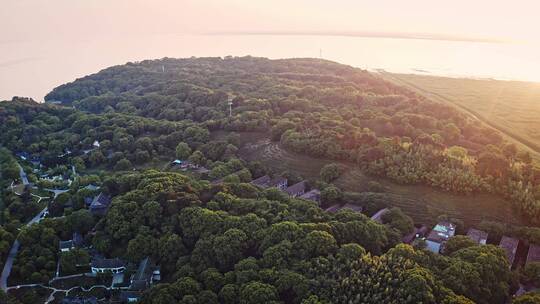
24	178
13	253
55	290
56	192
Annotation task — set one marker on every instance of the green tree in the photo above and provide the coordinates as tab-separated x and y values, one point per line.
183	151
197	158
330	172
458	242
257	292
123	165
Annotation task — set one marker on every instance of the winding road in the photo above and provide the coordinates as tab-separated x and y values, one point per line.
13	253
24	177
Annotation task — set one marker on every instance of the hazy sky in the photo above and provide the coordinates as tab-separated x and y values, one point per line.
72	19
44	43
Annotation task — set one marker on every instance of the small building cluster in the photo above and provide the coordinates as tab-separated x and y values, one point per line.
439	235
297	190
186	165
478	236
102	265
147	274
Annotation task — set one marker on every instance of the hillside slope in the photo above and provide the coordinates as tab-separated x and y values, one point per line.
322	109
511	107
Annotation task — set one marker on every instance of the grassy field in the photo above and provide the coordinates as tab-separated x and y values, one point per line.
512	107
422	203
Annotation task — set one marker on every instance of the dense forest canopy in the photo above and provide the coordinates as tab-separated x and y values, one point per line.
322	109
218	238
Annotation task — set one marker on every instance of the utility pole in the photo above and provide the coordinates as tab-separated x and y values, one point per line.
230	106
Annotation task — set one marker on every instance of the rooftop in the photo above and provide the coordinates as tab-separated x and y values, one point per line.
353	207
100	201
107	263
479	236
296	188
333	208
79	300
442	232
314	195
276	181
145	270
66	244
261	181
417	231
129	296
534	254
377	217
510	247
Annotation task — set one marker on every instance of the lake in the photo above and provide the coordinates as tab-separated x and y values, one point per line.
33	68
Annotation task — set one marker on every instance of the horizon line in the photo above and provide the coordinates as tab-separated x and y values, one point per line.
364	34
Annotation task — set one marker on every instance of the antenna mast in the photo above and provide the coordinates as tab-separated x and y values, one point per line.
230	105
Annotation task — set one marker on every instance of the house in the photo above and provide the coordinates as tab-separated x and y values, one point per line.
336	208
439	235
79	300
296	189
262	181
533	255
128	296
479	236
147	273
91	187
23	155
312	195
416	233
77	239
267	182
333	208
278	182
66	246
100	204
144	277
176	162
355	208
100	265
36	162
95	144
377	217
510	246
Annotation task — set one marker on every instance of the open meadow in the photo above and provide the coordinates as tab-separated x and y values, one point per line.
513	107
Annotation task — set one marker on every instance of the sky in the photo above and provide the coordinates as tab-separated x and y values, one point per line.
45	43
71	19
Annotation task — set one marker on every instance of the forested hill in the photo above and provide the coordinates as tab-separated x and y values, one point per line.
323	109
255	77
218	238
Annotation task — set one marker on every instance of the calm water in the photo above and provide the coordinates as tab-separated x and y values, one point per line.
33	68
